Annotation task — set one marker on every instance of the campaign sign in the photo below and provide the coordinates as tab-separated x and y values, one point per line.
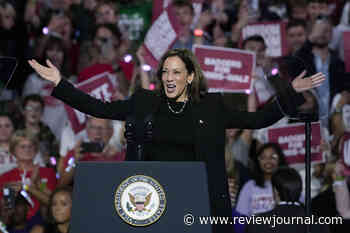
158	7
227	70
274	35
49	100
291	138
100	87
161	36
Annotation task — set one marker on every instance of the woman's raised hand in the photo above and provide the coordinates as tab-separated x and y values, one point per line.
49	72
301	84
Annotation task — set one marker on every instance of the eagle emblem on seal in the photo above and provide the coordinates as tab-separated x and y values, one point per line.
139	202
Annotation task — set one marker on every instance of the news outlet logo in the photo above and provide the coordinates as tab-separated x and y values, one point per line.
140	200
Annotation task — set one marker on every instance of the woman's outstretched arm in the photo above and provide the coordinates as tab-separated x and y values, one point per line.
272	112
77	99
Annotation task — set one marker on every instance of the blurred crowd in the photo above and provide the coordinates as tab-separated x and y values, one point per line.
84	38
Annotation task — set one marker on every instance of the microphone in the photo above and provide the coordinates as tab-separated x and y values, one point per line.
148	133
134	149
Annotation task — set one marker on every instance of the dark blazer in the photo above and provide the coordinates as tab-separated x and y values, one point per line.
285	211
211	117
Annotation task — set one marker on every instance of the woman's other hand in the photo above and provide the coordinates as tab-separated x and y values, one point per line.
49	72
301	84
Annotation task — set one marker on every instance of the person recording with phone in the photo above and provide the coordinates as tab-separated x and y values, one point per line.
60	25
103	53
95	147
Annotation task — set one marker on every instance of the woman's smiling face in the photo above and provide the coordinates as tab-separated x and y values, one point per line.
175	78
268	161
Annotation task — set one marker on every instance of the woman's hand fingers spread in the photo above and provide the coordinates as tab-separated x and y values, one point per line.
49	72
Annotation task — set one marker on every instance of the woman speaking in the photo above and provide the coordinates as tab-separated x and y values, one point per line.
188	122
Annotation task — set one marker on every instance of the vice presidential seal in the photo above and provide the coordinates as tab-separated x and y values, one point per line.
140	200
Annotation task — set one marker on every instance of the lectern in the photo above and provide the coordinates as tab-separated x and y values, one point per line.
140	197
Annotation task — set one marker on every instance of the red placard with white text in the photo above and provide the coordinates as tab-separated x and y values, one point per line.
226	70
100	87
346	39
49	100
165	29
346	153
291	138
161	36
274	35
158	7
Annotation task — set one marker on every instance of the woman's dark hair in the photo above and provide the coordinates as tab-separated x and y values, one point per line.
210	28
258	172
288	184
111	27
64	189
198	87
55	42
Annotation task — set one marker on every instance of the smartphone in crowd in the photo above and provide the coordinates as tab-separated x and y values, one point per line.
92	147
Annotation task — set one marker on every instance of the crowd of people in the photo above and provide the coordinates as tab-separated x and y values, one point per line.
84	38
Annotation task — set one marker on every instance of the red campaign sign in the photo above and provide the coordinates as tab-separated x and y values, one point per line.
291	138
227	70
158	6
346	38
346	153
100	87
48	99
274	35
161	36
